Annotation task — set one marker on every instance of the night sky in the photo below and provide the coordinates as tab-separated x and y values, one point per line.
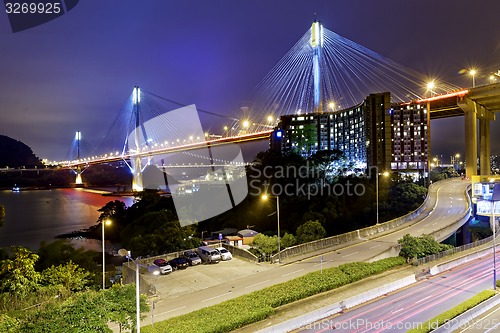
76	72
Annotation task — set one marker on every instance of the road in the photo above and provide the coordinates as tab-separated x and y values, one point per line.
451	203
412	306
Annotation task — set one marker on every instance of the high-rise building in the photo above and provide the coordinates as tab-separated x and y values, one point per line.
373	133
410	144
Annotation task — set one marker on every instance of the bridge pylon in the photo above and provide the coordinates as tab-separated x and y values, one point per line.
317	44
78	172
473	112
137	183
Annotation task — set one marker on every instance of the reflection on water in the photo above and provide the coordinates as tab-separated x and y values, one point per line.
35	216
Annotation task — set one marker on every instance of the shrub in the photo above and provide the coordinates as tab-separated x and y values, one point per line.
259	305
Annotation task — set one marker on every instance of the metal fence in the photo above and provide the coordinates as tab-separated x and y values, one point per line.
440	255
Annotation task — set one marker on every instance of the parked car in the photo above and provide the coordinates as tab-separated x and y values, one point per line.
179	263
224	253
192	258
209	255
165	268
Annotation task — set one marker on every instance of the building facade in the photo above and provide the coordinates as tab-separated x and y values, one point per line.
373	133
410	137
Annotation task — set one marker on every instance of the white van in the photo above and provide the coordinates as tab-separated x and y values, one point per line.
224	253
208	254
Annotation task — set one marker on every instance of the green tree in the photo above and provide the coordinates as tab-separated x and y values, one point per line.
18	275
70	276
266	244
329	165
287	240
410	247
88	311
419	247
306	138
156	233
310	231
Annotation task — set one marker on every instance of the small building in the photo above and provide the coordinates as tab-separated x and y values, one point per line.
234	240
247	235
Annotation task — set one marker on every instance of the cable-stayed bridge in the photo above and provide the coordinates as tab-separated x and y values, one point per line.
322	72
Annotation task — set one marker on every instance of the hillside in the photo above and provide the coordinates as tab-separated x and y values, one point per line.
14	154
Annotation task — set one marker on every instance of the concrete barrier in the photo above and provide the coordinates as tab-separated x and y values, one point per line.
445	232
429	203
241	253
468	318
454	263
305	321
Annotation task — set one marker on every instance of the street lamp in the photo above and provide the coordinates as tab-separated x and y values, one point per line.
494	198
430	86
103	223
385	174
152	269
473	73
265	197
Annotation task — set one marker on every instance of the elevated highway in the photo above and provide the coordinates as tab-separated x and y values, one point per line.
445	209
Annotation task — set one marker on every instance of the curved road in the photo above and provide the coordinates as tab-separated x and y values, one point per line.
451	203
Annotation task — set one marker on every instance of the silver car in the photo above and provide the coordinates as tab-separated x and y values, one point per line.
192	258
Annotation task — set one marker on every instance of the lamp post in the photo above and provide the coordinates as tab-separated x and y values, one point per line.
494	198
473	73
265	197
385	174
153	269
103	223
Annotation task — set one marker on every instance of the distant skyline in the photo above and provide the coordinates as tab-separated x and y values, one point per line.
76	72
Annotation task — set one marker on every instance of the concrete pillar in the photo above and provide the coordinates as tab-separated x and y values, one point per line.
484	144
137	179
78	178
470	143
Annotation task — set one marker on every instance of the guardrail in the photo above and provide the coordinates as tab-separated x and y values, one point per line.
445	232
360	233
458	249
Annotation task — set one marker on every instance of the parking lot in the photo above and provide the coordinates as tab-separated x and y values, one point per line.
202	276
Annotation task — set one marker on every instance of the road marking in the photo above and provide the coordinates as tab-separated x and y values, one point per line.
256	284
182	307
351	254
419	230
211	298
423	299
374	246
395	311
292	272
449	211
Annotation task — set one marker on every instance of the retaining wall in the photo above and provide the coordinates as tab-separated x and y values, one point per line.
430	201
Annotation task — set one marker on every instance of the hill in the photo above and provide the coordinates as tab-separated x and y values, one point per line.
15	154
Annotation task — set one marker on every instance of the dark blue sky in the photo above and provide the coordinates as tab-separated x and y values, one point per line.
76	72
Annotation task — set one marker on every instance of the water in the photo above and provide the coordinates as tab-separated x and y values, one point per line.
35	216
